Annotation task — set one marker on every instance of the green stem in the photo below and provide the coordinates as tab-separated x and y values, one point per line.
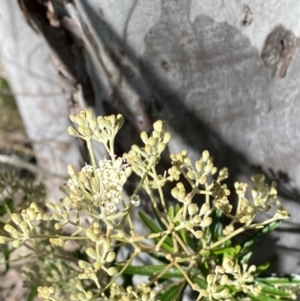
234	233
119	274
187	278
161	195
92	155
111	149
156	277
42	236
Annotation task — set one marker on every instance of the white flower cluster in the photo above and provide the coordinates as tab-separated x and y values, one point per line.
102	188
112	176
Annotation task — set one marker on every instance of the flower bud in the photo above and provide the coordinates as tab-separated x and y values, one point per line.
71	171
197	219
83	264
224	279
80	120
9	228
110	256
79	286
167	138
89	295
161	146
210	278
72	131
17	235
16	218
192	209
203	180
106	245
198	234
204	208
205	156
91	252
50	205
206	222
111	271
90	234
148	149
17	244
158	126
4	240
144	137
88	132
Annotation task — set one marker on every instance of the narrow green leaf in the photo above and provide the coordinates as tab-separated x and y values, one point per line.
33	292
246	257
127	280
157	217
261	297
158	257
149	270
258	235
232	251
292	280
170	294
168	243
263	267
6	252
271	290
200	281
171	213
10	205
249	244
217	231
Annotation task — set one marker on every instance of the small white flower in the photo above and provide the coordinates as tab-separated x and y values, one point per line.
87	169
72	183
110	208
135	200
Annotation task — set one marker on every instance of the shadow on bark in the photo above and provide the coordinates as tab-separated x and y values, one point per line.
155	91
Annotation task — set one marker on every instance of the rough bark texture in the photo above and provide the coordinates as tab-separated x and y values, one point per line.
223	74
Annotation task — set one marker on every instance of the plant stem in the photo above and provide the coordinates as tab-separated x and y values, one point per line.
92	155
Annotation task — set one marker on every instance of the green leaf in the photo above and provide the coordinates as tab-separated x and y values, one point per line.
200	281
177	208
127	280
170	294
246	257
182	232
249	244
158	257
157	217
258	235
33	292
9	203
228	251
217	231
263	267
289	280
171	213
6	252
150	270
271	290
261	297
168	243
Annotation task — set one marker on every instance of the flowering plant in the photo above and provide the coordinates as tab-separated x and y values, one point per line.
76	245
